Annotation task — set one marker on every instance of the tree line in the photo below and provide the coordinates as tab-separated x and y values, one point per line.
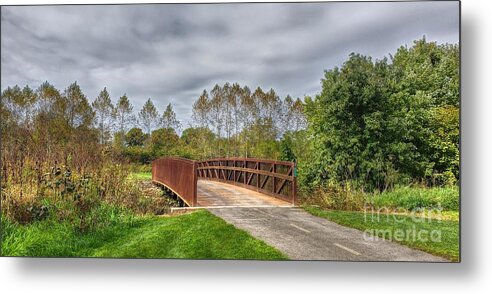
49	125
244	122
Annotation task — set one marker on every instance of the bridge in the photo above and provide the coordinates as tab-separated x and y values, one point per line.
228	181
259	196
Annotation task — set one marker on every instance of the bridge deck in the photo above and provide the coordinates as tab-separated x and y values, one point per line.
211	193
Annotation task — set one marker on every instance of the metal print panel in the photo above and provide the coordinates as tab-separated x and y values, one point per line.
268	131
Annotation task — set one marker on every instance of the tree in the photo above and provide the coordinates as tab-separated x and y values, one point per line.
380	123
149	117
51	130
286	152
271	106
124	114
105	114
135	137
248	111
427	92
78	111
16	122
266	144
20	104
235	102
164	142
199	140
348	124
49	99
169	120
201	109
293	118
216	110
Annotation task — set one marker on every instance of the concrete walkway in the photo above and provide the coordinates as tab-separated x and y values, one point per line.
302	236
212	193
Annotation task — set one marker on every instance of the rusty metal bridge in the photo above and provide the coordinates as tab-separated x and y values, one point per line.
228	181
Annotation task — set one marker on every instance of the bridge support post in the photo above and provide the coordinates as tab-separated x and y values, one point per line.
195	181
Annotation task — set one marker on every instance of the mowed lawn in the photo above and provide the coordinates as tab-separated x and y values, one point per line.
440	238
197	235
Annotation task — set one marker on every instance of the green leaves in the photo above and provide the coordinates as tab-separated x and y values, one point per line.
135	137
375	120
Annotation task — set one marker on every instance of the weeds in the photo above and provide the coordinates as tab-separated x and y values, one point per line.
338	197
413	198
79	198
348	197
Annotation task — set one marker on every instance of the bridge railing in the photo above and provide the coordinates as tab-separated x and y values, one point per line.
179	175
275	178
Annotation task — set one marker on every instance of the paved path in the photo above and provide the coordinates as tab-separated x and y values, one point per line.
212	193
303	236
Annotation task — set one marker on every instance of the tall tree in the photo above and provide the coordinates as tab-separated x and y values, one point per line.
349	125
124	114
104	110
48	96
201	113
217	115
294	118
78	110
427	91
20	103
50	125
235	101
248	111
228	101
201	110
148	117
169	120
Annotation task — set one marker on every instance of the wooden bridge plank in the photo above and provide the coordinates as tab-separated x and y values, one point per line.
214	193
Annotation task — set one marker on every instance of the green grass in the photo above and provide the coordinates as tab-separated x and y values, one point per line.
197	235
446	246
144	176
415	197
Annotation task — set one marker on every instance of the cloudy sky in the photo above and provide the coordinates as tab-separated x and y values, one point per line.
170	53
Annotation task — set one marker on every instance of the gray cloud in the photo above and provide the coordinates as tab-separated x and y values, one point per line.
170	53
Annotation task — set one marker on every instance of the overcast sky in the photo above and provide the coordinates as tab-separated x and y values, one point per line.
170	53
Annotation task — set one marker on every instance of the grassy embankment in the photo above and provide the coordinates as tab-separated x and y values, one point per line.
123	225
420	218
198	235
